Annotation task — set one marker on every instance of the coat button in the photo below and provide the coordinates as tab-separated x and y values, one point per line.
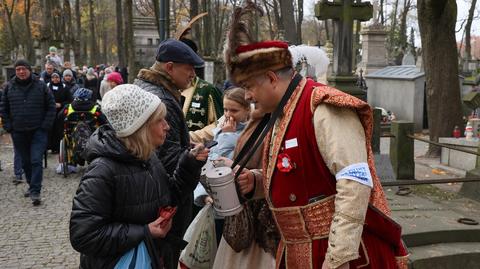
292	197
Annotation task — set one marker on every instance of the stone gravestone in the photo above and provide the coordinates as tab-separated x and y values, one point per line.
408	58
374	51
209	70
384	168
343	13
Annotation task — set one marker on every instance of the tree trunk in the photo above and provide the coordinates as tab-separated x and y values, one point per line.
403	24
104	41
30	50
392	44
129	40
46	29
436	19
468	27
207	25
299	21
381	13
120	40
167	19
77	38
278	20
286	9
193	13
56	22
269	17
156	13
10	12
67	15
93	36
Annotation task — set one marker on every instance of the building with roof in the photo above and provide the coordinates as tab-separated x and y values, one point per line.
401	90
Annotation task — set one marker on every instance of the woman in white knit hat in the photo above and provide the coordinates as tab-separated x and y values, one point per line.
117	203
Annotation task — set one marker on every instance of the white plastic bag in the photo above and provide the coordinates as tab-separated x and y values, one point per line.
202	242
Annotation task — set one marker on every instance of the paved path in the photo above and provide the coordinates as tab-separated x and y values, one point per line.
35	237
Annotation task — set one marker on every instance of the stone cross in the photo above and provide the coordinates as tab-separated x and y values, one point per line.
343	13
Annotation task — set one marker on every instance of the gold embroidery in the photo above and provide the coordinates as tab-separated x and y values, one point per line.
299	226
299	256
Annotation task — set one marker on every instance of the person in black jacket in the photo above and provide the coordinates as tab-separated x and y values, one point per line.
172	72
117	202
28	112
62	99
69	81
91	82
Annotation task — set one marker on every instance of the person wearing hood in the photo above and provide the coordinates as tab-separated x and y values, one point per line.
69	81
28	111
104	85
62	98
116	206
91	82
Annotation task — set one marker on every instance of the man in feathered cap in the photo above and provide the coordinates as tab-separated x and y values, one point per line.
318	172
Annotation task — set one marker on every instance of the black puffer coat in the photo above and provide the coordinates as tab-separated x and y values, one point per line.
27	105
118	196
176	142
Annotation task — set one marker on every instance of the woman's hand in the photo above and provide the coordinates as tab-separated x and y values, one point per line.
229	125
159	228
58	105
246	181
200	152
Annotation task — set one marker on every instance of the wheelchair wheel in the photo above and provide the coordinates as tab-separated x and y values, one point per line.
63	157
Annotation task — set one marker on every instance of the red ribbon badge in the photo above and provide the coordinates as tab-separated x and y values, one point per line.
284	163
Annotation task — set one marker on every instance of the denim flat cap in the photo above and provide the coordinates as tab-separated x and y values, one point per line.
172	50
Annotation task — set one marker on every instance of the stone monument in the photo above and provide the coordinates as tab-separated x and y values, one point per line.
343	13
374	51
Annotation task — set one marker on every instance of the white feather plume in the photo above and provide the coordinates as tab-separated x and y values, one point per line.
315	57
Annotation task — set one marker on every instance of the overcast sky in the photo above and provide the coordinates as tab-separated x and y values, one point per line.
462	7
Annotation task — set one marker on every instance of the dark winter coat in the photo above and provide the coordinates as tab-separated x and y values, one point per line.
71	86
61	93
118	196
177	141
63	97
27	105
93	85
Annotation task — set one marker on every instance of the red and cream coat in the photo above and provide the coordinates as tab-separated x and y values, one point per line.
319	179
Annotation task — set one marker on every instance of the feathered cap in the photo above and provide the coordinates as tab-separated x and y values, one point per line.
245	57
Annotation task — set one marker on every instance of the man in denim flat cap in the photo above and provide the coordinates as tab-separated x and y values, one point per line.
173	71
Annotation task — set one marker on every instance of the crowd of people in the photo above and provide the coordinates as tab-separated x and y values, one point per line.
312	197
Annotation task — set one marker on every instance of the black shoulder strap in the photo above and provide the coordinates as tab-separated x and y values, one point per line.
256	139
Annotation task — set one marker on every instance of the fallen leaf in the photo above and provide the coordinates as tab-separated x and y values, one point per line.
438	171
